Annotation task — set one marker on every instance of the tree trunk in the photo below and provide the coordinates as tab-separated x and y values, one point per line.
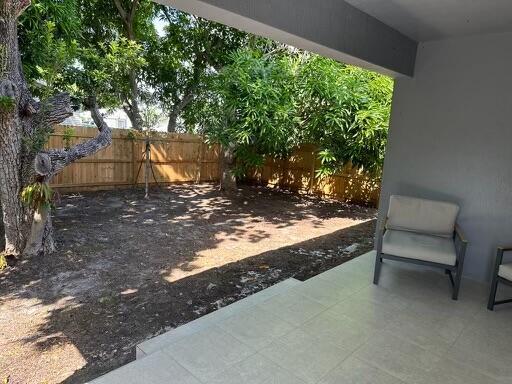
132	108
179	107
173	121
37	232
11	128
23	121
2	231
228	179
135	114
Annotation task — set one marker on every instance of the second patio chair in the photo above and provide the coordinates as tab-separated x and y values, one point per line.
422	232
502	273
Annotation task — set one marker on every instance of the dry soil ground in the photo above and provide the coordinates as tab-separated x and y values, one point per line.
128	269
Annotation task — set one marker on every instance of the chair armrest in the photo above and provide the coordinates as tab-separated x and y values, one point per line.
461	249
458	233
380	235
382	227
499	255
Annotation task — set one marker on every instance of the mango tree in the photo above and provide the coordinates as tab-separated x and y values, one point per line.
25	123
267	101
252	112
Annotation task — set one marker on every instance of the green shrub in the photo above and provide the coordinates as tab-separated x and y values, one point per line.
68	134
37	195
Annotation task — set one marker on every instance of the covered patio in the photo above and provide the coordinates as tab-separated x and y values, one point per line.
449	140
338	328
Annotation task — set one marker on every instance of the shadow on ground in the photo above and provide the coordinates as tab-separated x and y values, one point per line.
129	269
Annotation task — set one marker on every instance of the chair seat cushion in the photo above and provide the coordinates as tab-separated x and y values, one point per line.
418	246
505	271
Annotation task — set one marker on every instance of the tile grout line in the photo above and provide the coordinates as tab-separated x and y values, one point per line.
186	369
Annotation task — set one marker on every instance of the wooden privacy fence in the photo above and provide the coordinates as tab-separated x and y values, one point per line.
180	158
297	173
176	158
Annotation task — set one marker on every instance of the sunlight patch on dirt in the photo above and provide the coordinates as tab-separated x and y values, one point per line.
252	239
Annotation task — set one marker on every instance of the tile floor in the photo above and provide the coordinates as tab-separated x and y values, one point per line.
338	328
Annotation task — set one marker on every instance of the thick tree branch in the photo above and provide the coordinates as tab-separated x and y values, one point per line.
185	100
129	21
167	15
22	5
53	111
15	6
98	118
128	18
178	108
60	158
135	5
122	12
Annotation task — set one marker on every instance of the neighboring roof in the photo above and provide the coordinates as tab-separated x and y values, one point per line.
425	20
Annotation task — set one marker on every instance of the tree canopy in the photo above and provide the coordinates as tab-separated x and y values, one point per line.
184	57
253	109
268	103
345	111
258	97
48	36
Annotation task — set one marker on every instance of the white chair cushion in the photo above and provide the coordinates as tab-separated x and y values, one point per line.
418	246
505	271
422	216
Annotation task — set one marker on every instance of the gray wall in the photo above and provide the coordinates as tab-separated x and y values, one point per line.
451	139
332	28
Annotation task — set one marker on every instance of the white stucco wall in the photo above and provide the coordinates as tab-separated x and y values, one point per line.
451	139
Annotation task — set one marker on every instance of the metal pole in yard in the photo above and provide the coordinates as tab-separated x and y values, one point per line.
146	170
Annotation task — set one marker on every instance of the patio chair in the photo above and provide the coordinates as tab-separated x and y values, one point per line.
422	232
502	273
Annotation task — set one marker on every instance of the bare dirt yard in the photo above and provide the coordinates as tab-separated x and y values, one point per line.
128	269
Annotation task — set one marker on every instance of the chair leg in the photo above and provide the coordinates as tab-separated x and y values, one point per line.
378	265
456	283
450	276
492	295
460	266
494	284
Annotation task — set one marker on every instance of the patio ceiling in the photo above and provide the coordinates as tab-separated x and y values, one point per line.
332	28
440	19
374	34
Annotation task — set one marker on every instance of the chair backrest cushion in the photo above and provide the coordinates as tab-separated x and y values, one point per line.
422	216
